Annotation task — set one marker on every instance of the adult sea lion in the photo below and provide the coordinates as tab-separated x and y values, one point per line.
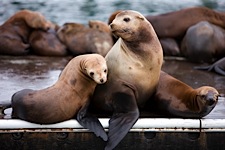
174	98
14	33
67	98
134	64
203	42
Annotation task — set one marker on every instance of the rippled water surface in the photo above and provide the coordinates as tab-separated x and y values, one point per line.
81	11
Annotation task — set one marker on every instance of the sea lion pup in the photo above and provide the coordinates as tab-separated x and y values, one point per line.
82	40
203	42
218	67
177	99
173	25
67	98
134	64
16	31
46	43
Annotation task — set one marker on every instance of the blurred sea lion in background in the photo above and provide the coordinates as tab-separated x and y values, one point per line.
175	24
82	40
203	42
46	43
17	29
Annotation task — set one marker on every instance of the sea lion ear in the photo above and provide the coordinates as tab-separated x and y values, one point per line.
141	18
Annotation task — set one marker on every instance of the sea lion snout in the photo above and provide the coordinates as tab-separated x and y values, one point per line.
112	26
211	97
101	80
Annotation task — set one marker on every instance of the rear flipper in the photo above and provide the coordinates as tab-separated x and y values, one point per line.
91	122
218	67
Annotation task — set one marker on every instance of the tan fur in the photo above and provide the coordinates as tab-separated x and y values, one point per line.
99	25
139	69
64	99
134	64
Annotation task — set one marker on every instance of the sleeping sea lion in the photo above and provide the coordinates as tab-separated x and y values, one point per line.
82	40
46	43
14	33
203	42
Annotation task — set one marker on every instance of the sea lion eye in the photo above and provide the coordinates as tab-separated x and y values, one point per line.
91	73
126	19
105	70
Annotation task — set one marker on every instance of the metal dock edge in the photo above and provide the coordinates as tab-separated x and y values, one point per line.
146	134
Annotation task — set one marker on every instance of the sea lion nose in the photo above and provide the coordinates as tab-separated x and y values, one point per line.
101	80
211	98
111	25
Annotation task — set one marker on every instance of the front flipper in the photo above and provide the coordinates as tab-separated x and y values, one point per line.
91	122
124	117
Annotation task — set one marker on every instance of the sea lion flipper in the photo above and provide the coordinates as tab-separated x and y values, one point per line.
91	122
219	70
119	126
122	121
4	106
202	67
217	67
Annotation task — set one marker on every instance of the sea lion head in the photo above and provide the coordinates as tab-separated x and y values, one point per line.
208	95
96	68
128	24
37	21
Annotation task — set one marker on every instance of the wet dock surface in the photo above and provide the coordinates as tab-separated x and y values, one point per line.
36	72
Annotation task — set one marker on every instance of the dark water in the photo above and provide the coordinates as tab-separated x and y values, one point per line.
61	11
